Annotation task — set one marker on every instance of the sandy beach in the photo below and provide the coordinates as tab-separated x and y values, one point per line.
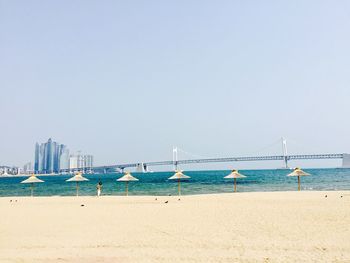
241	227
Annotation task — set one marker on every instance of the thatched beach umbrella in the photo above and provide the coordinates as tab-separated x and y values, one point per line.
178	176
77	178
127	177
234	175
32	180
298	172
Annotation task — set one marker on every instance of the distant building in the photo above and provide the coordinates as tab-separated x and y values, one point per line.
28	168
7	170
89	161
3	170
50	157
79	161
73	162
64	159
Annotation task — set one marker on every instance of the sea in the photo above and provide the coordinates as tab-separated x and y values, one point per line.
201	182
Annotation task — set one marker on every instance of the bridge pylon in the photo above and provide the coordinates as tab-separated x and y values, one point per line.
285	153
141	168
175	158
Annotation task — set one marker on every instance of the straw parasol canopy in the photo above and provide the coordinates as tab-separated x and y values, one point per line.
127	177
77	178
298	172
178	176
32	180
235	175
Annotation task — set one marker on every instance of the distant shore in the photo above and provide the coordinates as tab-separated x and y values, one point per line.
242	227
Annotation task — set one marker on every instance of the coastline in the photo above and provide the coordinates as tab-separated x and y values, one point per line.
131	197
284	226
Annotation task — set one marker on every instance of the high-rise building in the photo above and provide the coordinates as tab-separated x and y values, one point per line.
36	158
64	157
28	168
73	162
50	157
88	161
79	161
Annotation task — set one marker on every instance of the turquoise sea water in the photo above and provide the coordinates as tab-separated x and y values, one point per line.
201	182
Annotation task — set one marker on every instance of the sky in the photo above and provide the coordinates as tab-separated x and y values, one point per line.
128	80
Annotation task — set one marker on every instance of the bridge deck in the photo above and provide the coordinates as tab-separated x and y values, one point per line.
229	159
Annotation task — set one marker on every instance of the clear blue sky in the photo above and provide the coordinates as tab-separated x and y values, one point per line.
127	80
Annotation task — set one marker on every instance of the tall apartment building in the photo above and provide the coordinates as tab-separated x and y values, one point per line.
28	168
50	157
79	161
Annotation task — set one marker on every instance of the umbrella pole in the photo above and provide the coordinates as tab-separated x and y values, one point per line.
179	186
77	186
298	183
31	189
126	188
235	182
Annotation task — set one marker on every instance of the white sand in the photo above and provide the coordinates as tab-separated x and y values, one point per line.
241	227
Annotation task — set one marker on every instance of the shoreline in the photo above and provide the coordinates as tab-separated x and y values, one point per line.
344	192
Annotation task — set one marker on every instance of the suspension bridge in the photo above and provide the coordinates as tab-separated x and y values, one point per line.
175	162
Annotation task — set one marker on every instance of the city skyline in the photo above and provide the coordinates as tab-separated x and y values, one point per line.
76	160
53	157
127	81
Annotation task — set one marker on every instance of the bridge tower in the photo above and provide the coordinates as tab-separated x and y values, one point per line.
285	153
141	168
175	158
